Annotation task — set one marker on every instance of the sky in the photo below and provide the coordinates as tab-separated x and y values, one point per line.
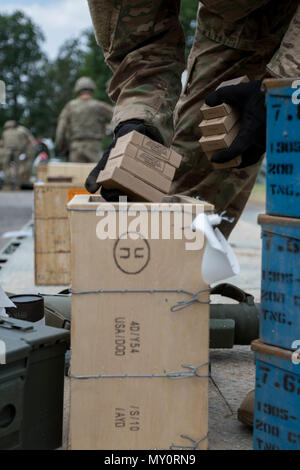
59	19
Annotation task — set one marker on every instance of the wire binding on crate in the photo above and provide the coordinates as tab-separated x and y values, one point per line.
176	308
194	441
191	371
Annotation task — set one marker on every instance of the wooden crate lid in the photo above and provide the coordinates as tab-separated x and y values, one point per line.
265	219
83	201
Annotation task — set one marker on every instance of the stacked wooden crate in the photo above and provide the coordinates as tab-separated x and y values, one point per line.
139	364
220	127
277	395
76	172
52	232
141	167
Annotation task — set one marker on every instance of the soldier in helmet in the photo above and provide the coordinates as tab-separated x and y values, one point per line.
82	124
18	148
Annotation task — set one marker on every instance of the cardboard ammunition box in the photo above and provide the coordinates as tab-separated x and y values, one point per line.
216	111
149	145
277	411
142	171
222	109
136	337
219	142
52	232
219	125
147	158
78	172
115	177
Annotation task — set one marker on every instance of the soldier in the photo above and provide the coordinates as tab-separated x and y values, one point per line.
82	124
144	46
18	146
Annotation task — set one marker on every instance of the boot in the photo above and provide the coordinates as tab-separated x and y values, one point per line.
245	412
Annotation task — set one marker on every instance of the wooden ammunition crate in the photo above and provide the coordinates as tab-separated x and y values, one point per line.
277	410
283	149
52	233
134	329
280	293
78	172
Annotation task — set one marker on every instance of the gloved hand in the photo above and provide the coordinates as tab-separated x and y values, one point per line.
250	142
123	128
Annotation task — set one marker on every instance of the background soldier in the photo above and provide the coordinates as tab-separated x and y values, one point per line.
82	124
144	46
18	146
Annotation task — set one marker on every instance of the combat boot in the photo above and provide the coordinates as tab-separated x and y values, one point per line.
246	410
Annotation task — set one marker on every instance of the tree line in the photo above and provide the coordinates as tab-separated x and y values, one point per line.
37	88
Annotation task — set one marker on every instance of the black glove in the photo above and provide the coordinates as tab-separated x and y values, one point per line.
123	128
250	142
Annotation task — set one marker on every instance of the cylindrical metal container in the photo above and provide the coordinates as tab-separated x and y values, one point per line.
29	308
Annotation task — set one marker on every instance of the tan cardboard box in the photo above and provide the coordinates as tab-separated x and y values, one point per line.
113	178
148	159
222	109
218	142
124	322
216	111
140	170
158	150
219	125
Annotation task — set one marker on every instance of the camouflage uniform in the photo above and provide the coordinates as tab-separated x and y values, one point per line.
17	141
144	45
81	127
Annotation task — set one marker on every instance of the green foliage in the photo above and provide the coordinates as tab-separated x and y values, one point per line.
53	87
20	59
37	88
188	19
95	67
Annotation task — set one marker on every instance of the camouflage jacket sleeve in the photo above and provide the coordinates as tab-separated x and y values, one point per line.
29	139
61	138
286	61
107	110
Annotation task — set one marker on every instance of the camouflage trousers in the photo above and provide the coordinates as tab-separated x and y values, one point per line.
13	168
85	151
143	43
228	189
